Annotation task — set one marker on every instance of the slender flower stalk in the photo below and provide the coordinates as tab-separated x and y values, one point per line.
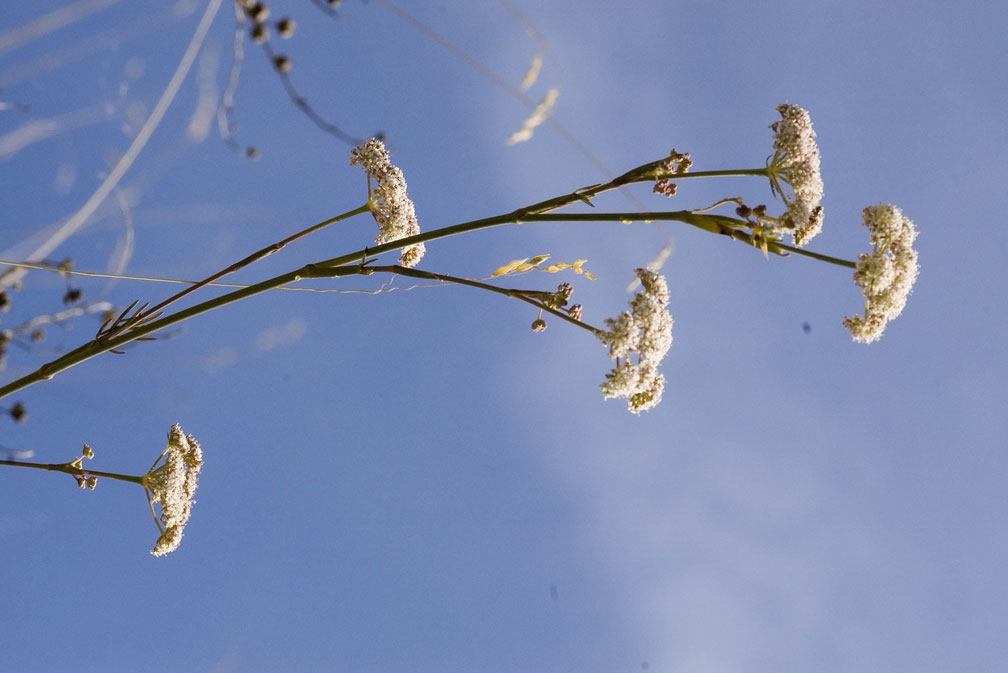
170	485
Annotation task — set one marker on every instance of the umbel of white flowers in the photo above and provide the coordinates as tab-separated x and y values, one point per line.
173	485
646	331
796	162
390	205
885	275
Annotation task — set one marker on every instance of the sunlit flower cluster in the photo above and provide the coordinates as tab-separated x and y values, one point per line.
390	205
646	329
887	274
796	162
173	485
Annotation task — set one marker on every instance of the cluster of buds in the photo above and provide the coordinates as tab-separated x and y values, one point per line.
675	164
258	13
556	301
87	481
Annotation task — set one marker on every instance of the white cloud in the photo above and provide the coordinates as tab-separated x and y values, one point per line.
274	337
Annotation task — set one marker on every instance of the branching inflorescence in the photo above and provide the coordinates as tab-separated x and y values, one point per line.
170	485
637	339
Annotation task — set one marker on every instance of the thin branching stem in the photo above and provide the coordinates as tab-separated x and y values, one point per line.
354	263
522	295
69	468
240	264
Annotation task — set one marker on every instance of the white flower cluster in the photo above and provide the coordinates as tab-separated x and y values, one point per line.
796	162
887	274
646	329
172	485
390	205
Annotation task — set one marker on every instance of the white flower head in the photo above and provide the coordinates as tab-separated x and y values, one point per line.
390	205
172	486
886	274
646	330
796	162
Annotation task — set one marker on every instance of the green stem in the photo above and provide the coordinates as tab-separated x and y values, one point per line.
763	172
514	294
715	224
98	346
76	471
254	257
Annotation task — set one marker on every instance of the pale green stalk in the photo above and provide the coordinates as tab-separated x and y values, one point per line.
70	468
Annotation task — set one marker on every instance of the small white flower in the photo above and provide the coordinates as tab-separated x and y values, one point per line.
390	205
173	485
796	162
647	331
885	275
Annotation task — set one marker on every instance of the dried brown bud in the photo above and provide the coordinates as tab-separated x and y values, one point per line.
258	12
285	27
282	63
259	33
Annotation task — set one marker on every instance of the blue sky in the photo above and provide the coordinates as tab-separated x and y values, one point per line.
414	480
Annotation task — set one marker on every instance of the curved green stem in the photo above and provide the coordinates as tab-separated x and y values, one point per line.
514	294
98	346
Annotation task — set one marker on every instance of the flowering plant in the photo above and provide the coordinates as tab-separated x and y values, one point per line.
637	339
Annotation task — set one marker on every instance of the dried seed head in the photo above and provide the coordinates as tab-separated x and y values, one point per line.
282	63
259	33
257	11
286	27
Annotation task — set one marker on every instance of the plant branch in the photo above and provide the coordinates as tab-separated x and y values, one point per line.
146	314
68	468
522	295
